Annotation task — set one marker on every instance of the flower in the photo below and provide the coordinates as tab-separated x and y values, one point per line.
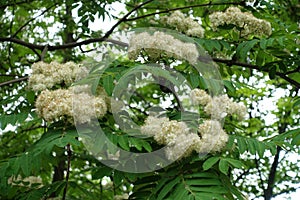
180	141
199	97
121	197
183	146
183	24
64	104
245	21
218	107
163	130
213	137
161	44
47	76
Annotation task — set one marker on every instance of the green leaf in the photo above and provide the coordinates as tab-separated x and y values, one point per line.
296	103
123	142
210	162
263	43
108	84
243	49
168	188
296	140
212	189
242	145
100	172
235	163
25	164
194	80
229	86
223	166
260	58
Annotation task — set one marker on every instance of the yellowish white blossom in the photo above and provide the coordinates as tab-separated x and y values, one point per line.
183	146
153	125
218	107
213	137
199	97
180	141
245	21
47	75
121	197
160	44
183	24
64	104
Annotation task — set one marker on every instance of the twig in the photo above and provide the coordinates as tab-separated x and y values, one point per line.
15	3
186	7
14	35
73	44
260	175
250	66
14	81
69	152
124	18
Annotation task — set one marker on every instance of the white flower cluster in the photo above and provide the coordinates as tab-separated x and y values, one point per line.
121	197
248	23
61	104
179	139
218	107
74	103
211	133
160	44
46	76
184	24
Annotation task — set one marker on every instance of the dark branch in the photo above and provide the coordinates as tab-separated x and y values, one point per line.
14	81
260	174
73	44
250	66
69	153
271	179
14	4
46	10
186	7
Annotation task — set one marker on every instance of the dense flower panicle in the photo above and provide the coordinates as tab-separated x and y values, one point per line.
170	131
218	107
183	24
183	146
46	76
213	137
180	142
121	197
153	125
248	23
64	104
161	44
221	106
199	97
54	105
87	107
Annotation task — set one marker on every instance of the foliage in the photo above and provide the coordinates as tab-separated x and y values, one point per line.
259	157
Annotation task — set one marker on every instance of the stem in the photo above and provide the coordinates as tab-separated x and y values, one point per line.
186	7
69	151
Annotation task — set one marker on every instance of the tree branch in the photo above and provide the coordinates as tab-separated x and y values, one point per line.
271	179
250	66
14	3
186	7
46	10
73	44
14	81
260	175
69	152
